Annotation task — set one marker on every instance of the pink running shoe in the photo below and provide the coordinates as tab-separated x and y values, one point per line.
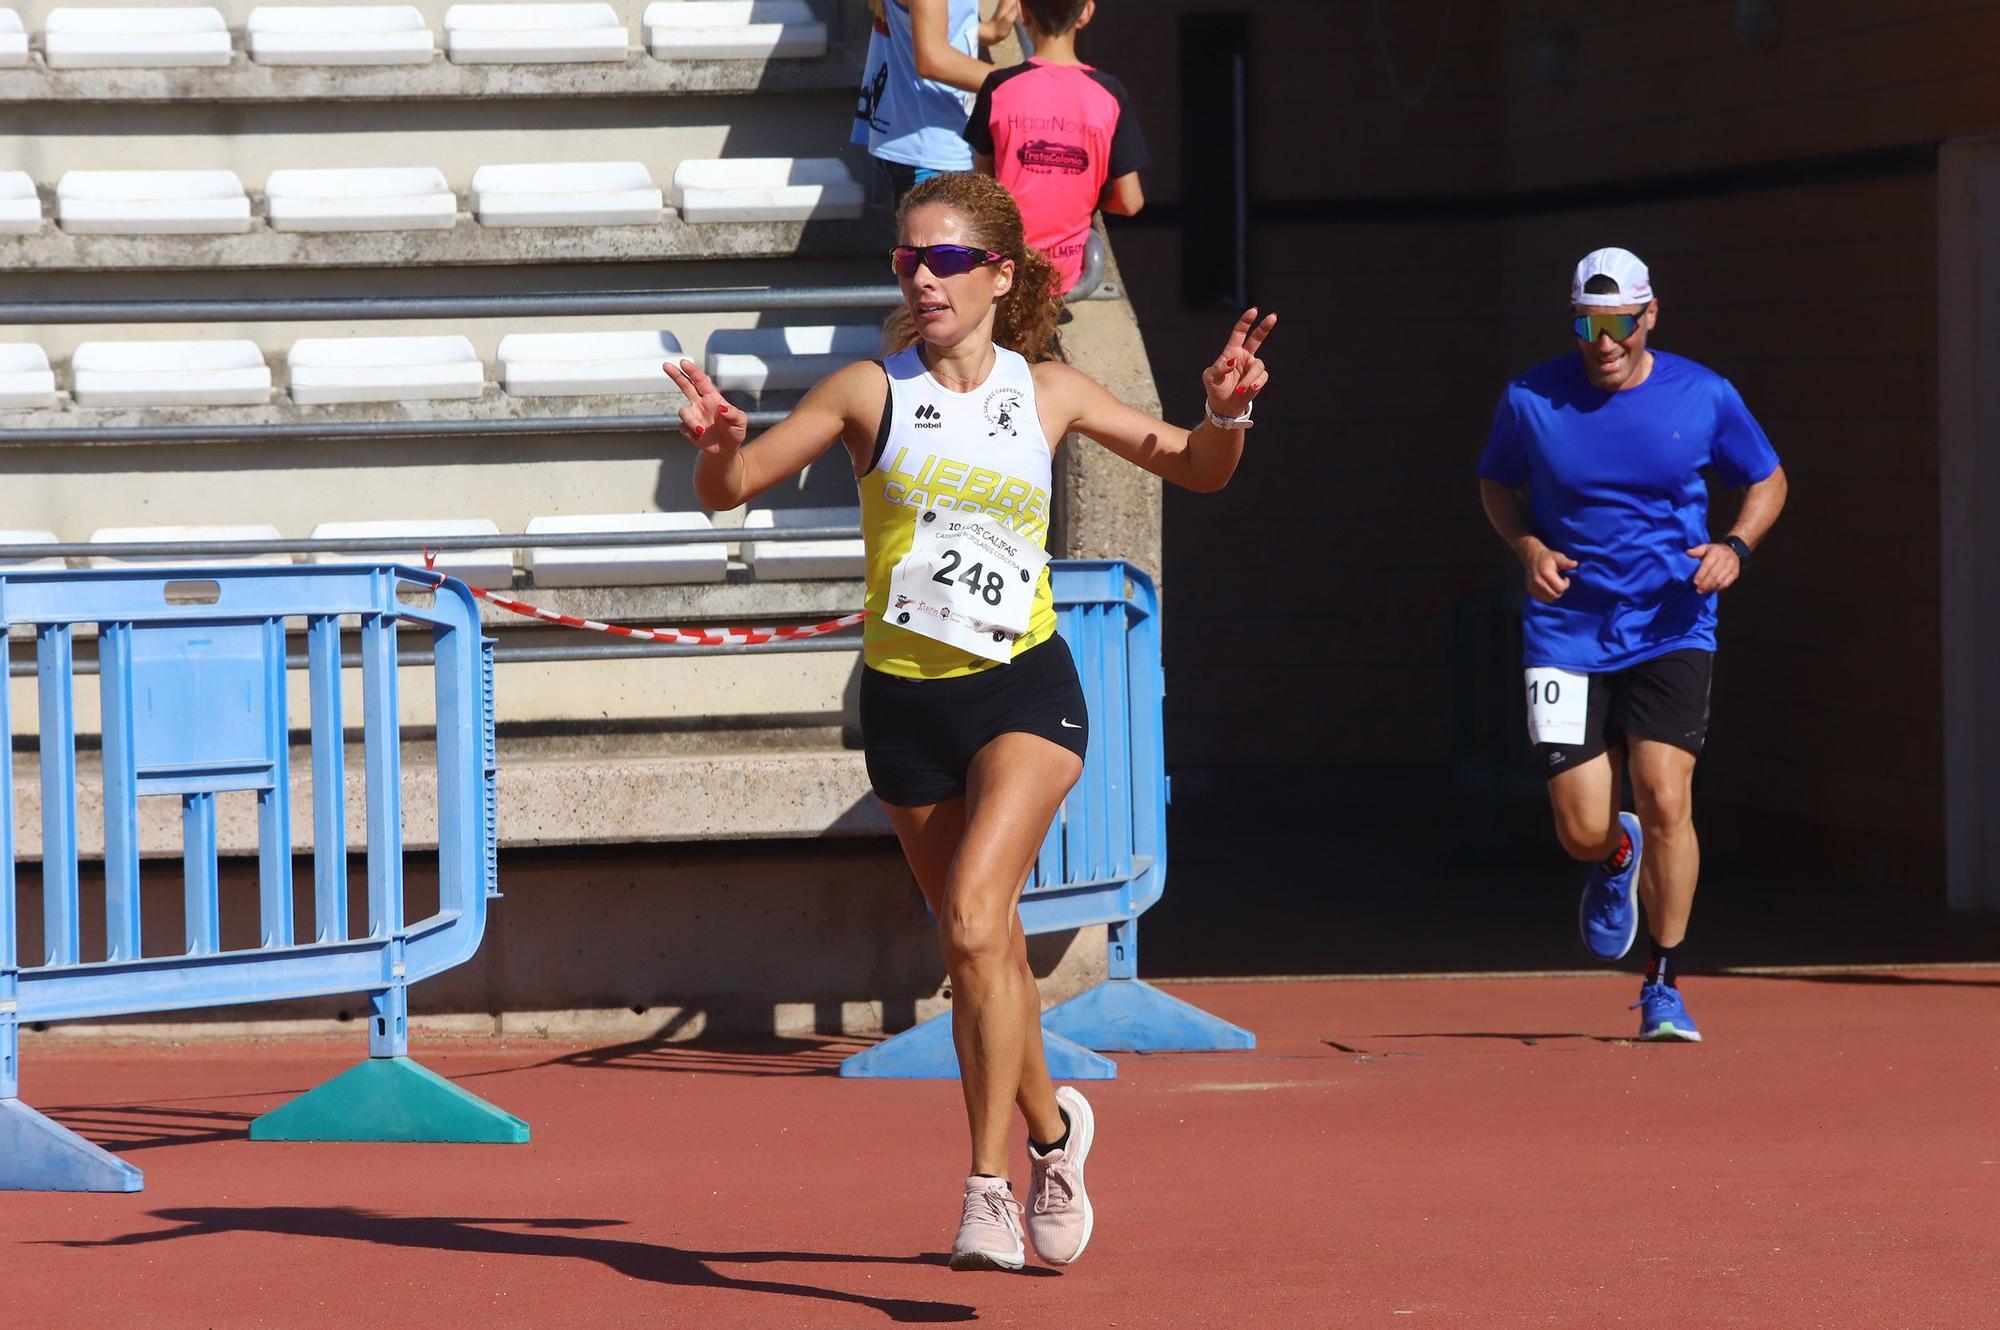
989	1231
1059	1214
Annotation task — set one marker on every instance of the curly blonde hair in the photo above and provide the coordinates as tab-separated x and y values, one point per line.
1024	319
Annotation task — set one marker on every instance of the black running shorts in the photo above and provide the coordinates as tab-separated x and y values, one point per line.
1664	699
920	735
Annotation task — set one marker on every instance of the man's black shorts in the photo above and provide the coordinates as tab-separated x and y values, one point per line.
1664	699
920	735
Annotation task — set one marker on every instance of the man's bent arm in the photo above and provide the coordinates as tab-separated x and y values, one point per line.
1762	503
1509	517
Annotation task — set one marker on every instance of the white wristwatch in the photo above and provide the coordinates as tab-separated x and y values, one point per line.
1229	422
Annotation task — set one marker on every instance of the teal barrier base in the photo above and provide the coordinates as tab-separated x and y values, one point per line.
390	1099
1132	1016
40	1154
926	1052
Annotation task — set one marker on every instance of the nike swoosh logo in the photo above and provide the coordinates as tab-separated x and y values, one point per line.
1066	725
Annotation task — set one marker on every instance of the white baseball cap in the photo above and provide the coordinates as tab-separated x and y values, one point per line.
1635	284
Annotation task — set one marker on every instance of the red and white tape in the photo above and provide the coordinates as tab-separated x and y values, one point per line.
700	637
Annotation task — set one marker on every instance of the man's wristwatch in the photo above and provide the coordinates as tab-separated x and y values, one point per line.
1742	548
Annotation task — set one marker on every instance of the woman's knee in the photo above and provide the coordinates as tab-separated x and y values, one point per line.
975	935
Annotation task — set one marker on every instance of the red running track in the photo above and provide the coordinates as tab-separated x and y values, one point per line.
1475	1152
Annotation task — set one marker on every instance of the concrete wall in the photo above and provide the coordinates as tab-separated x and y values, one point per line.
1423	188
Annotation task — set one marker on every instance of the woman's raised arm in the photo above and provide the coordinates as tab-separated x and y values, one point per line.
1201	459
730	470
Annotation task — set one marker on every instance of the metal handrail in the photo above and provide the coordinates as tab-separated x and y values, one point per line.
529	304
525	655
349	430
536	304
227	549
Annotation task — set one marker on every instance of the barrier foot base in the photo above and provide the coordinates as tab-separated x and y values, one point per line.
38	1153
926	1051
389	1099
1132	1016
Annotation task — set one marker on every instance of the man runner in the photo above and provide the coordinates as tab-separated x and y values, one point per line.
1619	628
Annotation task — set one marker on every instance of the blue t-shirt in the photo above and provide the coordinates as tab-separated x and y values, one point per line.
1615	482
906	119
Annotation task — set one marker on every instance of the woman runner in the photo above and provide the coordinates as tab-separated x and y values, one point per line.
972	717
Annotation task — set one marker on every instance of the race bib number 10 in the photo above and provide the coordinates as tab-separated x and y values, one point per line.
968	581
1558	705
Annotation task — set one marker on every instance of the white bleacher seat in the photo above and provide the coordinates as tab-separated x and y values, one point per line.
26	381
29	538
733	30
125	535
390	198
766	189
152	203
383	369
567	194
339	35
625	565
228	373
13	40
154	37
20	206
534	34
755	360
803	560
402	542
581	364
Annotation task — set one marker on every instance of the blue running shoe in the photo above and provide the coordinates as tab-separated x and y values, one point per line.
1609	912
1663	1017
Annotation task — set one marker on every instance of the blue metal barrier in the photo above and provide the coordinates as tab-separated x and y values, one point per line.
192	688
1104	860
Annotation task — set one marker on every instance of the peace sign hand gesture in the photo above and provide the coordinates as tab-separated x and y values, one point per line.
708	422
1237	375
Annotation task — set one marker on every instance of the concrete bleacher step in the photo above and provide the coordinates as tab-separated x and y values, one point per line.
466	243
781	359
165	373
534	34
20	204
586	364
29	538
26	381
402	541
624	565
408	198
247	81
383	369
567	194
345	35
153	37
152	203
129	535
766	189
13	40
732	30
802	560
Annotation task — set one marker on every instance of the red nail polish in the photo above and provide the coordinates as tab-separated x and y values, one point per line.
721	410
1230	363
1243	390
698	431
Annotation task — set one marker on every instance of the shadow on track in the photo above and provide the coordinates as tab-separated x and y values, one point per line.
559	1238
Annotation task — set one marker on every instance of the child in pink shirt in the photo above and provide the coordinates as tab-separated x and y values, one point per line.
1060	135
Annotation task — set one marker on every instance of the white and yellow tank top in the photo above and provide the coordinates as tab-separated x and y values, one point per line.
981	451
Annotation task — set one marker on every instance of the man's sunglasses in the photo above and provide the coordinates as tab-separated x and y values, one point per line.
942	260
1590	327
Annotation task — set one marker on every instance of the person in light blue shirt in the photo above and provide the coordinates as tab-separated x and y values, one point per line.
917	83
1594	476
